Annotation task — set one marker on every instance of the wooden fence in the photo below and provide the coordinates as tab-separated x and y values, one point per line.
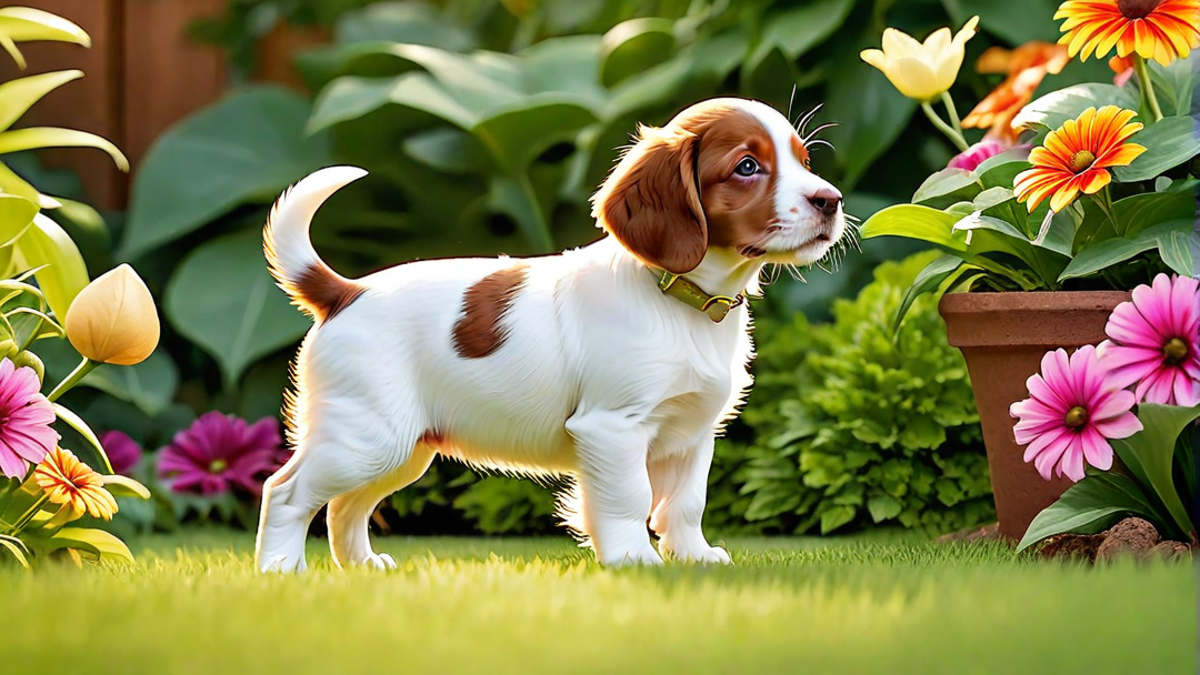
142	74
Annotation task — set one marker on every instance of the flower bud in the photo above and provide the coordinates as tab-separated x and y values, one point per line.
113	319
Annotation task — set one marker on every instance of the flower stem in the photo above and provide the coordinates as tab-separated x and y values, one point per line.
1143	73
953	112
954	136
86	366
1104	201
28	515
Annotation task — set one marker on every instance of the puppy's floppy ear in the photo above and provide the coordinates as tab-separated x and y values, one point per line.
651	201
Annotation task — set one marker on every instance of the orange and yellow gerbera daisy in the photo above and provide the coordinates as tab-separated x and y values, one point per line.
1026	67
1162	30
1076	157
69	481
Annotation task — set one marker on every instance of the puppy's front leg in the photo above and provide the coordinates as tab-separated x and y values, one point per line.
680	485
614	486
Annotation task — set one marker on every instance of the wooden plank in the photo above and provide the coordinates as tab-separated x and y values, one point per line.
91	104
277	51
167	75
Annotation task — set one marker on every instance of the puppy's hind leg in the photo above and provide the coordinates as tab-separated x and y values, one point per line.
336	455
349	513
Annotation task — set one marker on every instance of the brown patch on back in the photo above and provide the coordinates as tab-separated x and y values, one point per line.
480	331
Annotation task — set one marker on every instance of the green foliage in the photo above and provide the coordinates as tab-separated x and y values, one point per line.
1145	216
851	426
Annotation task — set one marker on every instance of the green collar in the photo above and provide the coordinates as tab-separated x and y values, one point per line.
686	291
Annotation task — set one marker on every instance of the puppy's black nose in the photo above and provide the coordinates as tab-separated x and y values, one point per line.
826	201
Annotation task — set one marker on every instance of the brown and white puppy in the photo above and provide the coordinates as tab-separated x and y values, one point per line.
576	364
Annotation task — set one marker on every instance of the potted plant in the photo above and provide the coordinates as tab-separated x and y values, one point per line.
1066	203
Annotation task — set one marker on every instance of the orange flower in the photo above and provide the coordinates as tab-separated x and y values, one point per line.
1162	30
69	481
1122	67
1026	66
1075	157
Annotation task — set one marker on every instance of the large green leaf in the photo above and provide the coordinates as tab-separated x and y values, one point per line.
61	272
222	298
632	46
16	215
412	23
1089	506
1178	249
17	96
243	149
915	222
36	138
1153	448
793	32
947	187
1169	142
97	542
928	279
1143	211
1051	110
1118	249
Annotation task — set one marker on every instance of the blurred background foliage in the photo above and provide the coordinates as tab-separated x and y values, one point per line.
485	127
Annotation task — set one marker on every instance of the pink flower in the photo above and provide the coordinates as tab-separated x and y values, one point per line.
973	156
1155	342
221	452
1072	411
25	418
123	452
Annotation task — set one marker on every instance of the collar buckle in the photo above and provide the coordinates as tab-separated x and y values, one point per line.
716	307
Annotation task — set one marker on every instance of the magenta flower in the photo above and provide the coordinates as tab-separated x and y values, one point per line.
973	156
219	453
123	452
1155	342
25	418
1072	411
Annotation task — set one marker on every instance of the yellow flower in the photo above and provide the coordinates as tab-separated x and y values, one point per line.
113	320
1076	157
921	71
69	481
1162	30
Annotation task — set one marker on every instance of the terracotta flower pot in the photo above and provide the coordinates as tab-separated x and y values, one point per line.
1003	337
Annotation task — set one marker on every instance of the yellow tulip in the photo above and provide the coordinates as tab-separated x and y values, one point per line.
113	319
921	71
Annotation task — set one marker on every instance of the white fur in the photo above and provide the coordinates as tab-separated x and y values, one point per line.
602	377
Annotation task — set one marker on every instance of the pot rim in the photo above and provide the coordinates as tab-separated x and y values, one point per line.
1036	301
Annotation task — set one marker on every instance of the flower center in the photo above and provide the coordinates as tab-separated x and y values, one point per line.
1076	417
1175	351
1082	160
1137	9
217	466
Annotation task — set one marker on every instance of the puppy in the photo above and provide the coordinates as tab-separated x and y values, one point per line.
615	364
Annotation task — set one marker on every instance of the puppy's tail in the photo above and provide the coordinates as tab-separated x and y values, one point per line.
313	286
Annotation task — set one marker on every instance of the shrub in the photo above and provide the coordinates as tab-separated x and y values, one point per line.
852	425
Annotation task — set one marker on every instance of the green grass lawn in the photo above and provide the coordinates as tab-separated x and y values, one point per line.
194	605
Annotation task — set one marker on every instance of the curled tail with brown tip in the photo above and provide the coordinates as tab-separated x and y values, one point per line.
313	285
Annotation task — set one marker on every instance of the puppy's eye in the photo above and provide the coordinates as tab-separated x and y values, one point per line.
747	167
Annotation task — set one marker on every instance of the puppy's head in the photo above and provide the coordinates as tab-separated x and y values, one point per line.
725	172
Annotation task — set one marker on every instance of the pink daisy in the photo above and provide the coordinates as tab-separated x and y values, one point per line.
1072	411
221	452
25	419
1155	342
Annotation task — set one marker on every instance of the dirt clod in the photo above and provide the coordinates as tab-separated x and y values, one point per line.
1132	536
1171	550
1072	546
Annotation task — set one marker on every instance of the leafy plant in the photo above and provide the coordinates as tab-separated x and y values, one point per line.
851	425
43	487
1120	203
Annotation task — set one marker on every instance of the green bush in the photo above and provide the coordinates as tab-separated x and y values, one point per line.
850	425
